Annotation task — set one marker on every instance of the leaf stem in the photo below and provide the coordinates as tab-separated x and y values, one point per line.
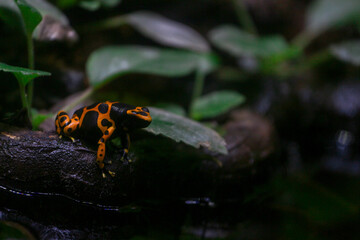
303	39
106	24
198	88
306	64
244	17
30	48
24	99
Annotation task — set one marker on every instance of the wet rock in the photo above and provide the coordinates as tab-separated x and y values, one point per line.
249	137
39	162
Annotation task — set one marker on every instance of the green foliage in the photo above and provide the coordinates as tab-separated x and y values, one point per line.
216	103
31	17
185	130
46	8
110	62
93	5
38	118
325	14
271	63
239	43
27	14
24	75
348	51
166	31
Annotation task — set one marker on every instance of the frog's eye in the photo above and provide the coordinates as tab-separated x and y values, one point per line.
145	109
140	114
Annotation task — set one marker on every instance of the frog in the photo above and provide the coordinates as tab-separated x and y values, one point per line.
101	122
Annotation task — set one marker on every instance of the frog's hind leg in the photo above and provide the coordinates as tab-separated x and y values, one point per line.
66	126
101	149
61	121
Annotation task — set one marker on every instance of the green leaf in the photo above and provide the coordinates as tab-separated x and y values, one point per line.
239	43
54	24
42	6
93	5
216	103
38	118
24	75
30	16
110	62
185	130
90	5
348	51
45	8
324	14
269	64
167	32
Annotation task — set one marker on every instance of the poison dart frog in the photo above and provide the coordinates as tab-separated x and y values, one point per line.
101	122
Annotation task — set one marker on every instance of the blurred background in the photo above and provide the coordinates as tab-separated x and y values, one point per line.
277	79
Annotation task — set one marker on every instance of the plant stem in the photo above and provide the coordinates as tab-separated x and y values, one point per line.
30	46
198	88
306	64
303	40
106	24
24	99
244	17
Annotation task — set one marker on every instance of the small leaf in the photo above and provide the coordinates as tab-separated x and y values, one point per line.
270	63
239	43
90	5
93	5
324	14
24	75
185	130
30	15
54	24
46	8
216	103
109	62
348	51
38	118
167	32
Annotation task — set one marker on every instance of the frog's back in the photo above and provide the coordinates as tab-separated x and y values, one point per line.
94	120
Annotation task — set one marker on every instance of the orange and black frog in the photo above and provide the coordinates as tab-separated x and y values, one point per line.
101	122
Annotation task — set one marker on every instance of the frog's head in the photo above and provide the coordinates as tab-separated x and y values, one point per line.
138	117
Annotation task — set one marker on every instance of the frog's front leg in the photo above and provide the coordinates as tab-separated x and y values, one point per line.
125	141
101	149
